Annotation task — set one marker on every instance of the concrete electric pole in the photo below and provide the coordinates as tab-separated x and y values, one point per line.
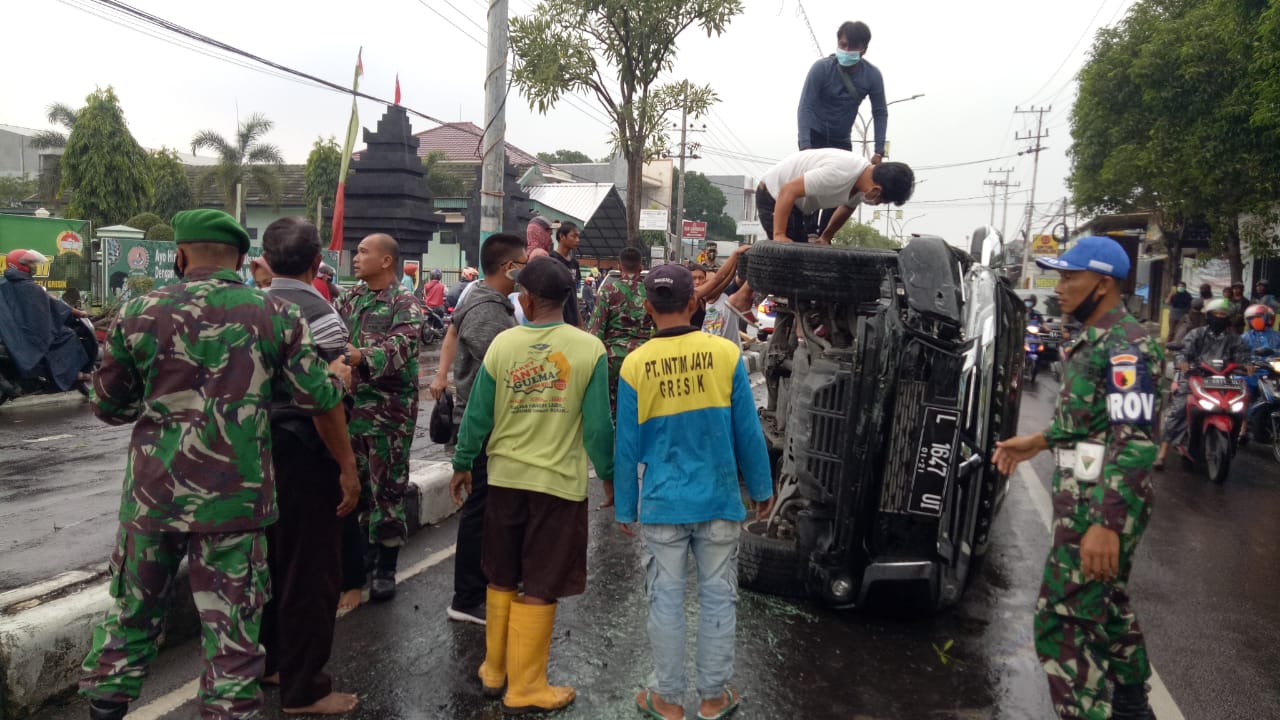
1005	184
493	167
687	151
1035	150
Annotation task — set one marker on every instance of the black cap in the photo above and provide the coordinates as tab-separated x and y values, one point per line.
670	281
546	278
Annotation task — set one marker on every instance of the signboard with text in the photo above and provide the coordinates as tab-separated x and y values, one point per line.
654	220
62	241
125	258
695	230
1044	246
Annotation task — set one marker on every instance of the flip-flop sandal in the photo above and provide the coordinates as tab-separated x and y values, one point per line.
727	710
648	709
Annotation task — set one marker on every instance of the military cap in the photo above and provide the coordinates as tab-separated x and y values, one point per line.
207	225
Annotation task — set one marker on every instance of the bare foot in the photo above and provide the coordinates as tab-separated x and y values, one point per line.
349	600
650	702
272	679
335	703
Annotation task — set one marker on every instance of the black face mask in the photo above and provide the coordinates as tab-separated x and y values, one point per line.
1086	307
1217	324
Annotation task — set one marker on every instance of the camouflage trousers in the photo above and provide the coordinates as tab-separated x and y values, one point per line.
1085	631
383	461
230	584
615	370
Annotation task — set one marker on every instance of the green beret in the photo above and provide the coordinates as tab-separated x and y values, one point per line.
213	226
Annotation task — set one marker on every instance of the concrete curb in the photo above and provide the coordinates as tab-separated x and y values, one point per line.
47	629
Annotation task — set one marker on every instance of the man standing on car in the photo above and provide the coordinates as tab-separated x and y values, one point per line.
833	92
812	180
1103	434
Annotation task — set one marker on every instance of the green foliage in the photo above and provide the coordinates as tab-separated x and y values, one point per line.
859	235
14	190
324	163
651	238
144	221
103	165
57	114
1172	116
614	51
564	157
705	202
160	231
170	188
243	160
442	181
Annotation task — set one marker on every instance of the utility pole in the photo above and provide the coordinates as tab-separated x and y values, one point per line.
686	153
1001	184
1035	150
493	167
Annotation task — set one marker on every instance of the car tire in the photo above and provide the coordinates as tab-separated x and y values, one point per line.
770	566
808	271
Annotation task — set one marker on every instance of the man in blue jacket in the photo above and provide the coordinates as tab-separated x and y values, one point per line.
686	413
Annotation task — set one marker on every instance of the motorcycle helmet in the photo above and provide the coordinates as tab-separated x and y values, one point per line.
436	274
1259	317
24	260
1217	306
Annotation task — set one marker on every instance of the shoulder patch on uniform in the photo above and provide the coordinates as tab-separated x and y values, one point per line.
1131	395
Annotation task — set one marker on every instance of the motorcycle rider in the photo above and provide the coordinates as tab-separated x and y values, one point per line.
34	327
1264	344
1033	315
433	292
1213	341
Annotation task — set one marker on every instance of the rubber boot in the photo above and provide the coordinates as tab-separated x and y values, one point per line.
1129	702
493	671
528	647
383	585
107	710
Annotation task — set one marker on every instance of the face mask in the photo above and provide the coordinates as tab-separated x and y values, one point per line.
1182	288
1086	307
1217	323
1029	304
848	59
1258	324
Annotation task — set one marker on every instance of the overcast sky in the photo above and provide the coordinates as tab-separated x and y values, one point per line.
974	62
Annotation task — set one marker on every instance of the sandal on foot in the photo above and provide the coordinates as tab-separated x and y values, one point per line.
727	710
648	709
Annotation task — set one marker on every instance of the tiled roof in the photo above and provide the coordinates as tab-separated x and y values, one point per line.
293	184
460	143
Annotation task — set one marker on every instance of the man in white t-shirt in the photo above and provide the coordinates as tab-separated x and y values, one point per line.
719	318
813	180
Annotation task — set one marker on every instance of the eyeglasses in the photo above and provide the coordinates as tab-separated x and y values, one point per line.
518	263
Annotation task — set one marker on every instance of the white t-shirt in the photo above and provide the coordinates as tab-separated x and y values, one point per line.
722	321
829	175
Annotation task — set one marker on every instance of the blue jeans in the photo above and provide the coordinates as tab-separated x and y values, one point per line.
666	561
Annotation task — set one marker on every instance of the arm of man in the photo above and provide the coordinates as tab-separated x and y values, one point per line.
723	276
400	345
477	421
117	385
598	325
839	217
597	422
790	192
806	118
879	114
626	453
741	300
448	351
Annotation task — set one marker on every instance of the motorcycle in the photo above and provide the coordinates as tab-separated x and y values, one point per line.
1264	413
1215	413
1033	347
13	385
434	324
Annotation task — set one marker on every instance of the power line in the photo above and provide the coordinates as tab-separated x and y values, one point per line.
454	24
1072	51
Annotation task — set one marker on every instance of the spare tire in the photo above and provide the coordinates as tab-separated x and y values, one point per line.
808	271
770	566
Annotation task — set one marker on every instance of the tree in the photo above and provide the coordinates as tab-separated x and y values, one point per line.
57	114
321	181
103	165
170	188
614	50
564	157
248	158
705	202
14	190
144	221
160	231
859	235
442	181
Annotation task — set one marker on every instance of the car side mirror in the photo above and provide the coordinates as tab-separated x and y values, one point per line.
987	247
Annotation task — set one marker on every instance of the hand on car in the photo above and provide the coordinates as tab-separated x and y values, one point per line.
1016	449
1100	554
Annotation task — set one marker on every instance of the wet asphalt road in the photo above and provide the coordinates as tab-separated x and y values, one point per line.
1205	587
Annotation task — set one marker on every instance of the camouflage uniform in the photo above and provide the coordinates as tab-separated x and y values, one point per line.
196	365
1085	631
385	326
622	324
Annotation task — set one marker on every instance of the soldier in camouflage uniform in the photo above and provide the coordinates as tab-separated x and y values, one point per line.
196	365
385	322
1103	433
620	320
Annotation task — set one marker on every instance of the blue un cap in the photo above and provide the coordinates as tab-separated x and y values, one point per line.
1097	254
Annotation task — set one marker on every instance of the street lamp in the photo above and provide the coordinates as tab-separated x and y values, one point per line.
865	127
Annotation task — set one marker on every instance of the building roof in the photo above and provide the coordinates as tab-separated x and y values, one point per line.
578	200
597	206
293	184
460	143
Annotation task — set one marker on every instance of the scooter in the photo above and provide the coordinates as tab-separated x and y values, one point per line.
1215	413
1264	413
1033	346
13	385
434	325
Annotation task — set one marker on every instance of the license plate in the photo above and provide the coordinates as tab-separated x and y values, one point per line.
1221	382
934	460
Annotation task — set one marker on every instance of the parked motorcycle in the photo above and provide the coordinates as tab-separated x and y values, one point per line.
13	385
1215	414
1264	413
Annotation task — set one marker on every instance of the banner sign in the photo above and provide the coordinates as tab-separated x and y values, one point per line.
126	258
695	230
62	241
654	220
1044	246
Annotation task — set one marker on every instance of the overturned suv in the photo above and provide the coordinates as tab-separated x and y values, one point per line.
891	374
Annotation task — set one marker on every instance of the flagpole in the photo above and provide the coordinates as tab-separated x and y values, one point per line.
348	146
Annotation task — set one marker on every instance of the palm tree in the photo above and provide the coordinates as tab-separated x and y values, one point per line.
57	114
248	158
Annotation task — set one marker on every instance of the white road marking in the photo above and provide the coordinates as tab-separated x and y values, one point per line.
50	438
175	699
1162	702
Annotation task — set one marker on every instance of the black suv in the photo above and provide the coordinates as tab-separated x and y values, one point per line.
891	374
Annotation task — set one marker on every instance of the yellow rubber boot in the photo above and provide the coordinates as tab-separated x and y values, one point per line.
528	647
493	671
